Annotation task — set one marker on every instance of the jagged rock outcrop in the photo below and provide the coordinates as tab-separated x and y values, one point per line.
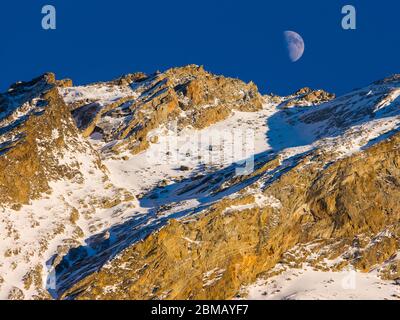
308	97
35	127
124	111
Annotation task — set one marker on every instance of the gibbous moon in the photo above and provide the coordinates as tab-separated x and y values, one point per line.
295	45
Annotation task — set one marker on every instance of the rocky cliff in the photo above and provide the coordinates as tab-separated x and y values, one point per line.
54	190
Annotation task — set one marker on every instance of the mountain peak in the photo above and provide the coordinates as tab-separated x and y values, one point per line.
308	97
391	79
189	95
105	187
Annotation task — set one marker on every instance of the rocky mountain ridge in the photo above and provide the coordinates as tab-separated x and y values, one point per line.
137	104
322	191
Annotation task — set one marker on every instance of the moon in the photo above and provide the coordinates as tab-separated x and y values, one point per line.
295	45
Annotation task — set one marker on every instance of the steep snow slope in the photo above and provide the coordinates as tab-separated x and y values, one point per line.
34	237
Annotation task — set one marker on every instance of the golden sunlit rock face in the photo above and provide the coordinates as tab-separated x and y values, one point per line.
29	160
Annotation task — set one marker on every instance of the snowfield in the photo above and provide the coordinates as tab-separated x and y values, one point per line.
308	284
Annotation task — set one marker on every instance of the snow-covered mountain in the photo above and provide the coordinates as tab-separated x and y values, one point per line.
185	184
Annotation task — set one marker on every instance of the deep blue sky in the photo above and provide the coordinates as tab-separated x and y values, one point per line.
100	40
